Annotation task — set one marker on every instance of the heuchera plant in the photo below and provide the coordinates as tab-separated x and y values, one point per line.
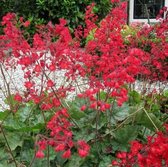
153	153
107	63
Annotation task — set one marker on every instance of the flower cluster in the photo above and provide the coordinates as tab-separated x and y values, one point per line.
153	153
106	62
61	137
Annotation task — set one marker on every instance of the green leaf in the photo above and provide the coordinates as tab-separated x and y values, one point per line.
165	93
90	35
84	134
24	112
26	119
3	155
134	97
75	161
105	162
6	164
125	134
57	161
119	113
4	114
142	119
14	140
76	113
100	123
75	110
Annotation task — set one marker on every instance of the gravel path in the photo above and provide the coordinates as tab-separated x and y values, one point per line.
15	81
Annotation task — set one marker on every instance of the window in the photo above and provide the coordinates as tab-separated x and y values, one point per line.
147	8
141	10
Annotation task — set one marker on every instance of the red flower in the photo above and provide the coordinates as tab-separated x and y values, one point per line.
83	108
56	102
60	147
66	154
63	22
82	153
50	83
28	84
115	1
83	149
26	24
37	68
52	67
18	98
39	154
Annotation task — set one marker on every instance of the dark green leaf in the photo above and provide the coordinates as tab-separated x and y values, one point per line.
125	134
105	162
134	97
142	119
75	161
119	113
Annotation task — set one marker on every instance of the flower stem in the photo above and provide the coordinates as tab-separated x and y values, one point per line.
151	120
10	151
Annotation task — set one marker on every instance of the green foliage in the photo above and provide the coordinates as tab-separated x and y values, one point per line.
106	132
20	130
43	11
90	35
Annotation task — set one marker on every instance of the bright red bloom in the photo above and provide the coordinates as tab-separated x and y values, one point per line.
42	144
60	147
50	83
17	97
83	108
82	153
66	154
28	84
83	149
153	153
39	154
37	68
26	24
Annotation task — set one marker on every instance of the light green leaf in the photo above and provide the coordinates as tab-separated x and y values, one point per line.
14	140
4	114
165	93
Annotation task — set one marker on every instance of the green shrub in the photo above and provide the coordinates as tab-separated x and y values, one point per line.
43	11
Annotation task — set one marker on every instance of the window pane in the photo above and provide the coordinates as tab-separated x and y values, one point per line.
144	7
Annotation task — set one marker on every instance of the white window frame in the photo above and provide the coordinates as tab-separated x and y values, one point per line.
131	13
